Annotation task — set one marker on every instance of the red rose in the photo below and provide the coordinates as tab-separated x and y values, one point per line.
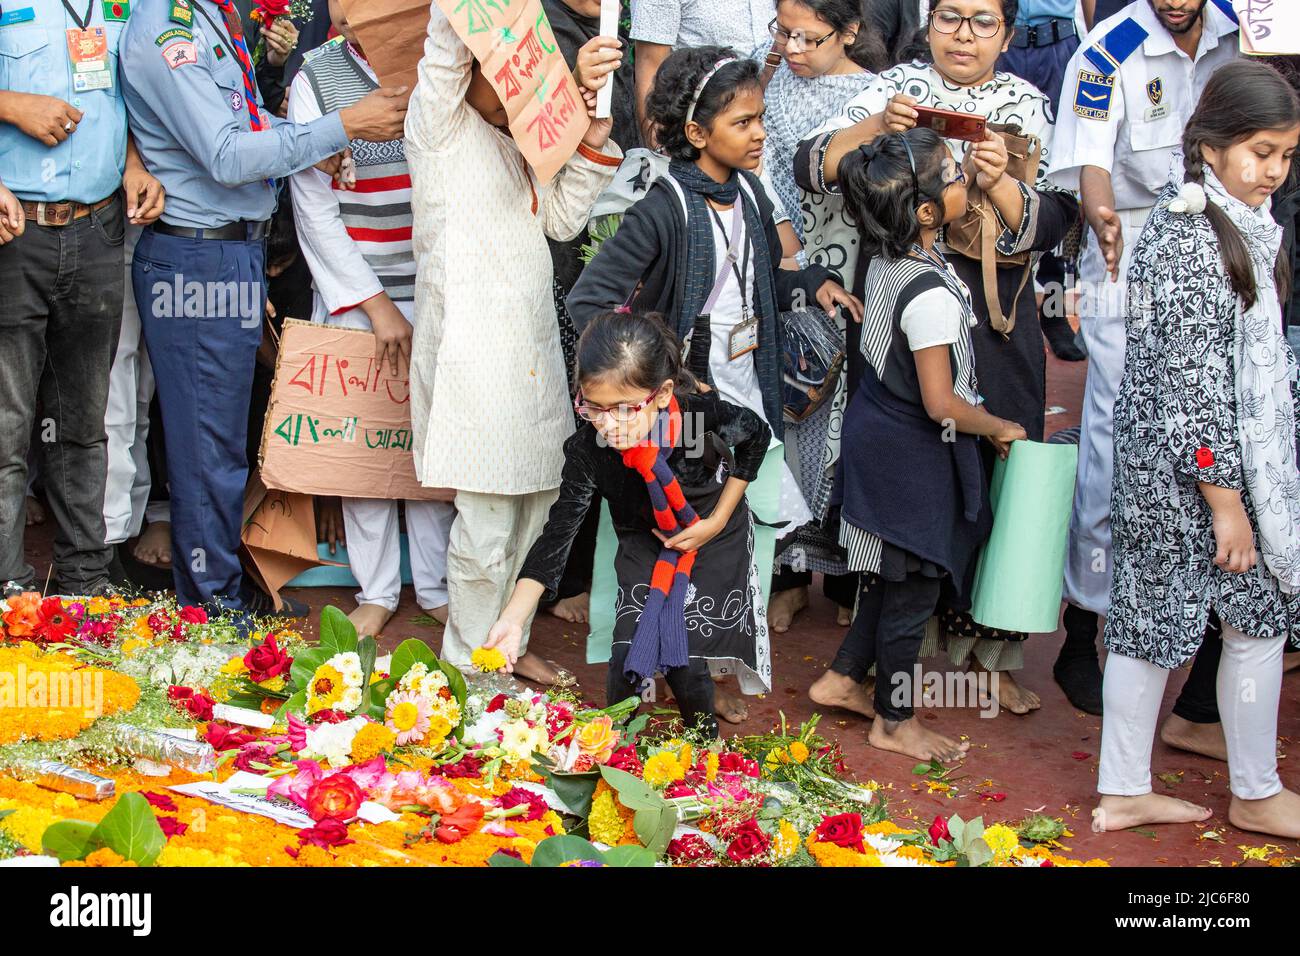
223	738
730	762
939	831
57	624
334	798
625	759
194	615
690	849
198	706
266	661
460	823
496	703
327	833
843	829
748	841
159	622
254	753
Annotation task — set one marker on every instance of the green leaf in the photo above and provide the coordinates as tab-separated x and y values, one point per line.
505	859
409	652
978	853
633	793
629	856
634	727
654	828
295	704
338	635
921	769
68	839
575	790
305	664
366	652
131	830
5	813
561	848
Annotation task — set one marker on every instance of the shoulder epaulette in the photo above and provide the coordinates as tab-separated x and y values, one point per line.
1116	46
1225	7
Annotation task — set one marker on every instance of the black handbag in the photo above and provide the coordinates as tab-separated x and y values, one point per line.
813	357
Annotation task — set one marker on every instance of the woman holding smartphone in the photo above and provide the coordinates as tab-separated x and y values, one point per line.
965	39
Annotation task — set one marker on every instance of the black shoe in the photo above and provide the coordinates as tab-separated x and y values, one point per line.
257	601
1080	678
104	588
1061	339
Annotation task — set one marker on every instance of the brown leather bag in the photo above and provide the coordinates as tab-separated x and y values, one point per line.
975	234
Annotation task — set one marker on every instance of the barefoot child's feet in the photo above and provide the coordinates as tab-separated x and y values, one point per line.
439	613
910	738
730	707
573	609
369	619
35	511
1003	690
843	616
536	668
838	690
154	546
1204	739
783	607
1278	815
1121	813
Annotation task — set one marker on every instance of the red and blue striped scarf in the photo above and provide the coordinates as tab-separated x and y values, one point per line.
659	642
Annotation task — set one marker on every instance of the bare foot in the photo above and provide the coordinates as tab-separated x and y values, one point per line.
573	609
439	613
730	707
783	606
536	669
1278	815
1204	739
1121	813
35	511
837	690
154	546
910	738
369	619
844	616
1003	690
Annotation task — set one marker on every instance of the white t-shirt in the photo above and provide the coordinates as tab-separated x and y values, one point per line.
932	318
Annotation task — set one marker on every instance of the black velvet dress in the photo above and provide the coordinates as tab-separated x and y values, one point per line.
724	611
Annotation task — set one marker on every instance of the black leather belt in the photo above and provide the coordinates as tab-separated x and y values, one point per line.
1043	34
242	231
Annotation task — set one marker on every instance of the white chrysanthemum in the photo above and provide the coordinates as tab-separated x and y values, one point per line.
333	742
449	710
435	681
350	700
349	665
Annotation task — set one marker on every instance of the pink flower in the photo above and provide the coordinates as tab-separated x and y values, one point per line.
254	753
679	789
297	734
159	801
408	715
172	827
559	718
327	833
294	786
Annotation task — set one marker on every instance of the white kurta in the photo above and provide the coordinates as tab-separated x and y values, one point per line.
489	397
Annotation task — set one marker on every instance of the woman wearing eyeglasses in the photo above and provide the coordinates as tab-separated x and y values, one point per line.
965	39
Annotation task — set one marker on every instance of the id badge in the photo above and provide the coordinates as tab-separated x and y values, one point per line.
88	50
92	80
1156	113
743	339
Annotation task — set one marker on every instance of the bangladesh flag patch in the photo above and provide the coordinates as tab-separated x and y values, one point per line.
117	10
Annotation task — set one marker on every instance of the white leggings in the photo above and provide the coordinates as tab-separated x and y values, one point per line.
1249	691
374	549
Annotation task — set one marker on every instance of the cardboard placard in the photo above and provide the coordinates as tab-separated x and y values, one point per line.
1270	27
339	422
513	41
392	32
278	537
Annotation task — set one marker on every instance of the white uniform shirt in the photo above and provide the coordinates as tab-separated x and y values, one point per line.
1134	126
739	24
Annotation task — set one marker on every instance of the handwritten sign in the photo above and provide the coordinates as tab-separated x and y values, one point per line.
1269	27
513	41
339	422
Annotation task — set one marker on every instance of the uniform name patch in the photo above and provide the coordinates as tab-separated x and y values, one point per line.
182	14
180	53
1093	95
175	33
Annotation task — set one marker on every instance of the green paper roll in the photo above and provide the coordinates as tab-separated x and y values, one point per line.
1018	579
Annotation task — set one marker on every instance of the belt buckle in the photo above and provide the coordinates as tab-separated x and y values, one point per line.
40	215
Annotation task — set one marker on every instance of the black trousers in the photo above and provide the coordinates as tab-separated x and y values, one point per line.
887	632
691	685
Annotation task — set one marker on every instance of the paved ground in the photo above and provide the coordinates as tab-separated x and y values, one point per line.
1047	760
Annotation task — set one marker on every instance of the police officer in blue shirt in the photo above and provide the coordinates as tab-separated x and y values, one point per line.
66	155
199	273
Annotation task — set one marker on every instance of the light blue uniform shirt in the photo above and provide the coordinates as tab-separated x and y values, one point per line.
1036	11
191	124
87	166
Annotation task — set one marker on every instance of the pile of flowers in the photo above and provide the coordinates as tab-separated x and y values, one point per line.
400	760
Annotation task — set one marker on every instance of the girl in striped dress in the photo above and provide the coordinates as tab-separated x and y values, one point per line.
914	503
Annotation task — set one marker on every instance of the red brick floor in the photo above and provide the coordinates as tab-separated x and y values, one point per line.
1030	759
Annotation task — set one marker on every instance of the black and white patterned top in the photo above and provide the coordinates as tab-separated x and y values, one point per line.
1176	423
